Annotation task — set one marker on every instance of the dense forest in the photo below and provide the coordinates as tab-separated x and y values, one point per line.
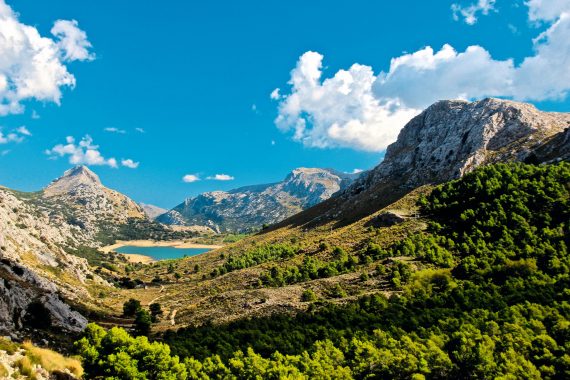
489	301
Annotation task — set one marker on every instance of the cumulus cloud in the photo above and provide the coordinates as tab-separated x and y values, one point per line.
359	109
130	163
72	41
341	111
115	130
469	13
221	177
420	78
547	10
14	136
33	66
189	178
85	152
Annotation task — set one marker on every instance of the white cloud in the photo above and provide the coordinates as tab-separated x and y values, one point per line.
23	131
189	178
130	163
356	171
547	10
85	152
469	13
33	66
140	130
72	41
35	115
275	94
10	137
341	111
115	130
418	79
14	136
221	177
358	109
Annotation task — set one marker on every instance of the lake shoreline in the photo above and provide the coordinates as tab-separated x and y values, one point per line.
139	258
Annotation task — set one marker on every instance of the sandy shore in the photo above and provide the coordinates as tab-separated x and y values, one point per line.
152	243
136	258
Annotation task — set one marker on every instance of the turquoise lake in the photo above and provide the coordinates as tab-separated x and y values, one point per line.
162	253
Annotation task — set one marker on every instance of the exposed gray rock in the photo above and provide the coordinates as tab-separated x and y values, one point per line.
386	219
250	207
152	211
453	137
20	288
447	140
80	199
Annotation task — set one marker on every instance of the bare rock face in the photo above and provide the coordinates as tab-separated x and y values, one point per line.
81	198
250	207
37	275
447	140
152	211
451	138
30	301
31	256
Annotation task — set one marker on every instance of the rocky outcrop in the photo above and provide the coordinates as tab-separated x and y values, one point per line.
32	262
28	301
37	275
80	199
447	140
152	211
250	207
453	137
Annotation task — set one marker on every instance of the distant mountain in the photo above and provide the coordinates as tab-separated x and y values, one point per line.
447	140
250	207
81	198
152	211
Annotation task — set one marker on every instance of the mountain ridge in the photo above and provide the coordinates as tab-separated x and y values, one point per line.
445	141
249	207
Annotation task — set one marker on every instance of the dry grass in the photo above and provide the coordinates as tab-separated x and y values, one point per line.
24	366
8	346
50	360
198	299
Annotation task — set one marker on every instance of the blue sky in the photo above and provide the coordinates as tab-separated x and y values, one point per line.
196	77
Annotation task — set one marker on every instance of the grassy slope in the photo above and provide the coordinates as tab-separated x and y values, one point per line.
198	298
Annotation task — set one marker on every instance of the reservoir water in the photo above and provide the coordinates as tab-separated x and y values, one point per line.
162	253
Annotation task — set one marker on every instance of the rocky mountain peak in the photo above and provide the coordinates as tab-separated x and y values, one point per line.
78	176
447	140
453	137
80	194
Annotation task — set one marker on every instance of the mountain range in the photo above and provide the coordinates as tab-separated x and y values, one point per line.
42	233
249	208
447	140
